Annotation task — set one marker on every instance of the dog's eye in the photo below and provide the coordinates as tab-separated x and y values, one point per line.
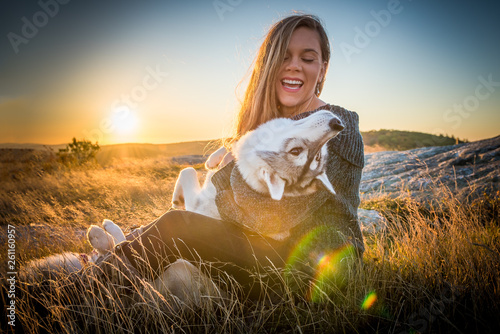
318	156
296	150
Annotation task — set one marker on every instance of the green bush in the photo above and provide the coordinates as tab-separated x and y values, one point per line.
78	152
406	140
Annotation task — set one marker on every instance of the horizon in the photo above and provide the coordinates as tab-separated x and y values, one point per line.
161	73
215	140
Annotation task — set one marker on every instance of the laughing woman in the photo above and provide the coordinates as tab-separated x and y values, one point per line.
287	80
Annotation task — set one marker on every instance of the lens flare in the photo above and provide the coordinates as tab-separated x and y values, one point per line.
331	271
369	300
330	267
303	247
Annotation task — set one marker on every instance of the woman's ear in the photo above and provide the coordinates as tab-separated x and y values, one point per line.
322	72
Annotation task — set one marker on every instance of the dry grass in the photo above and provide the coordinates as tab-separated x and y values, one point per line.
436	268
129	192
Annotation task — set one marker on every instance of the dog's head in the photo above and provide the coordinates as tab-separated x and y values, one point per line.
287	157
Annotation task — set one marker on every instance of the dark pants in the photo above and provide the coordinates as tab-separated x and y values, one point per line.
229	248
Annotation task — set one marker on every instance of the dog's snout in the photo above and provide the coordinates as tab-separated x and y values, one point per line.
335	124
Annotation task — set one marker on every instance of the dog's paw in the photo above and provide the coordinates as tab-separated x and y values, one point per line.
113	229
178	203
100	239
215	158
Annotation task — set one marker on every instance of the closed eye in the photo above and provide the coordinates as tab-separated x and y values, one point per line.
296	151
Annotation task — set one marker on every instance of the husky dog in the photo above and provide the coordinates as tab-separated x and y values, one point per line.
282	157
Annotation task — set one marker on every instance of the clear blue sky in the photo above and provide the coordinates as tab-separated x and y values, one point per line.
432	66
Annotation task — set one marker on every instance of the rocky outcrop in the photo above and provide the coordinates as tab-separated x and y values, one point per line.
371	221
189	159
467	170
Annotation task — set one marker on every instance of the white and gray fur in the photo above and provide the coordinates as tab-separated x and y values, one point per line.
282	157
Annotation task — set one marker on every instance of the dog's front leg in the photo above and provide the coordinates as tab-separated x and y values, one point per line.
187	188
215	158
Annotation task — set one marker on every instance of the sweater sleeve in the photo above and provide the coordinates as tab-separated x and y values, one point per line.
334	226
348	143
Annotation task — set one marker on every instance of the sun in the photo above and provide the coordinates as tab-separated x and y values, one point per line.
124	120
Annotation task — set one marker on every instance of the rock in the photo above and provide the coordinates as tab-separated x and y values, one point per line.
467	170
189	159
371	221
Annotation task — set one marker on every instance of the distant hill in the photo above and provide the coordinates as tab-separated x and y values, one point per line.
132	150
141	151
375	140
31	146
396	140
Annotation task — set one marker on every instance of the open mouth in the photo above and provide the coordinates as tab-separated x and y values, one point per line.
291	85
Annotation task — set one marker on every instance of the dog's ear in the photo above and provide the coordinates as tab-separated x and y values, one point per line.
275	184
328	185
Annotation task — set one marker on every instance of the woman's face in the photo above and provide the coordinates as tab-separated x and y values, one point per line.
300	73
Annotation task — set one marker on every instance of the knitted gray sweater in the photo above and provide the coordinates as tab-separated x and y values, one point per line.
326	221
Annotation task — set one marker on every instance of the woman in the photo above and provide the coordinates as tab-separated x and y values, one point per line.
287	79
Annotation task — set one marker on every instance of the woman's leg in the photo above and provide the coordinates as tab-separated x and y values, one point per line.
192	236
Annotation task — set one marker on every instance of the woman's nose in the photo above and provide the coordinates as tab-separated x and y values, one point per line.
294	64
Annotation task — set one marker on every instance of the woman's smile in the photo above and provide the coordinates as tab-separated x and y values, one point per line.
291	85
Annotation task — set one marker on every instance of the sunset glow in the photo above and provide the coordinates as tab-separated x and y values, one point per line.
419	66
124	121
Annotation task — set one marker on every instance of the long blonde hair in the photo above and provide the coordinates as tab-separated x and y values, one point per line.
260	103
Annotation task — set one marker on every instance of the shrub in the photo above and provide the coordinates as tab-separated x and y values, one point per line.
78	152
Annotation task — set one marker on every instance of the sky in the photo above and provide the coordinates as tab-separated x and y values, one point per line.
120	71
